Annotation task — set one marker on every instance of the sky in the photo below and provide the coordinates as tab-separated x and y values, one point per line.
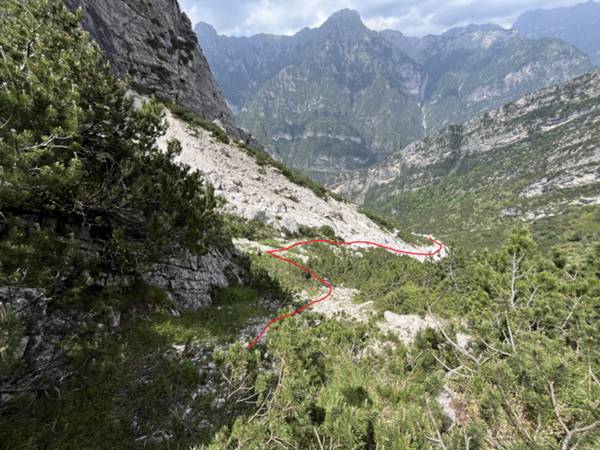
412	17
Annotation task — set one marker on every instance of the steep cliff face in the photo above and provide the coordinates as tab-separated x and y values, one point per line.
478	68
530	159
153	44
333	99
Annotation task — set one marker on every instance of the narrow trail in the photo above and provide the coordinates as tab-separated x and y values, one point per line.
275	254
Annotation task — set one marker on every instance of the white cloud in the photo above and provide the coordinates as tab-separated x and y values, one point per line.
412	17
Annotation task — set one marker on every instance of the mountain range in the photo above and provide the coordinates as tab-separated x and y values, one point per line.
164	283
578	25
535	160
340	97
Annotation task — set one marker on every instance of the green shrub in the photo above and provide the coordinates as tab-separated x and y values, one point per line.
264	159
254	230
79	162
336	382
322	232
195	120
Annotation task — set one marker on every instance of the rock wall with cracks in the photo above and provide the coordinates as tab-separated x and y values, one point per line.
153	45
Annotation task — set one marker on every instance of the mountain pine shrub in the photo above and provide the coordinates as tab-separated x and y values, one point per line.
79	162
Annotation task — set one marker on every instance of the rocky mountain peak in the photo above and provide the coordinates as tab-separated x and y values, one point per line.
346	20
341	96
473	28
578	25
205	29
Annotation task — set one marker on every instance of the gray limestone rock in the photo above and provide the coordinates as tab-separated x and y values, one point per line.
190	280
152	43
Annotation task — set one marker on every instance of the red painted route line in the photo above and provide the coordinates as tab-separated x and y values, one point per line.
274	254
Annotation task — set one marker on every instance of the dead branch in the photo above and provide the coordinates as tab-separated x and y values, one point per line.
318	438
513	279
449	370
456	347
532	295
569	433
489	346
510	334
438	439
571	312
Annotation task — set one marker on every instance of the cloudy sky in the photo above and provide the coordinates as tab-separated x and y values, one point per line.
412	17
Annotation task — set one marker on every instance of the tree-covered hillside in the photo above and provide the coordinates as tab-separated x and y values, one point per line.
79	161
533	160
497	349
527	378
88	203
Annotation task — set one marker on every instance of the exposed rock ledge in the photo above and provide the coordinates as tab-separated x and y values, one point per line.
190	280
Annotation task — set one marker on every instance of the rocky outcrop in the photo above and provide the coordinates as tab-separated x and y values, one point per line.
190	280
152	43
36	340
36	334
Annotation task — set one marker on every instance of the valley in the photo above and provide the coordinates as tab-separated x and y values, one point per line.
531	160
342	97
345	238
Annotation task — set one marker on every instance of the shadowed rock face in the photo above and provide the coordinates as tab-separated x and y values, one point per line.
153	44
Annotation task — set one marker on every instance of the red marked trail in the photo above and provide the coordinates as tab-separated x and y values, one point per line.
275	254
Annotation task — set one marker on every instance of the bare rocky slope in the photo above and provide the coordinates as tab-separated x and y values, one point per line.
528	160
264	193
152	43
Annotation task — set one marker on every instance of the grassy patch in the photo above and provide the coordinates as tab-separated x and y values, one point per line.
120	379
219	323
573	233
129	384
388	223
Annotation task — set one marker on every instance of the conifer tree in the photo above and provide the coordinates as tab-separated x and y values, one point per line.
77	158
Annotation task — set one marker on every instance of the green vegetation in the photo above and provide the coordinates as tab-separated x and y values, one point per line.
390	224
570	234
528	379
119	377
84	193
85	196
472	199
254	230
136	375
322	232
195	120
79	163
264	159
